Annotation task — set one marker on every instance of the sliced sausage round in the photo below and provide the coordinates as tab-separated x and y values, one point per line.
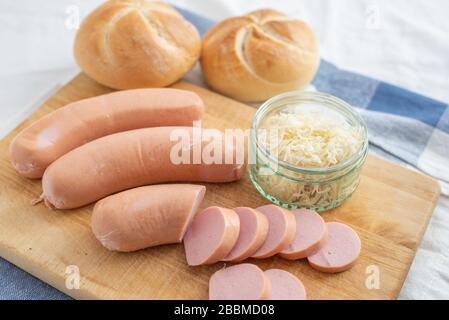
311	233
253	232
211	235
339	252
240	282
281	230
285	286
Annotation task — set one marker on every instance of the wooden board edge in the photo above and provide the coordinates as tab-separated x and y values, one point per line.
55	280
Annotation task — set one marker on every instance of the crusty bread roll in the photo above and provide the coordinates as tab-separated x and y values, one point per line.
254	57
126	44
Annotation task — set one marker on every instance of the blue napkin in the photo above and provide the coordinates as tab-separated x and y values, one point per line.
403	126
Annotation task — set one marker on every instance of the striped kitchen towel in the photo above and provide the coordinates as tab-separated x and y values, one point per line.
403	126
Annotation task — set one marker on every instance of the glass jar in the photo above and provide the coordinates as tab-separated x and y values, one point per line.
316	188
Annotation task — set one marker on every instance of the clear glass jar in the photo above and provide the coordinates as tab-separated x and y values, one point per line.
316	188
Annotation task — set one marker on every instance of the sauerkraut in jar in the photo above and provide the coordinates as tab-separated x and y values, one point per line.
307	150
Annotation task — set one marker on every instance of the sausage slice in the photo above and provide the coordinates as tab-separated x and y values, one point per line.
240	282
285	286
339	252
211	236
146	216
311	233
253	232
281	230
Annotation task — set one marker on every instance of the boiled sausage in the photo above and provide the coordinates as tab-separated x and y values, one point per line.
339	252
253	232
240	282
281	230
211	236
47	139
146	216
130	159
311	233
285	286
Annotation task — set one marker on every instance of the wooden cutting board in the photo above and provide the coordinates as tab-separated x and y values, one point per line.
390	210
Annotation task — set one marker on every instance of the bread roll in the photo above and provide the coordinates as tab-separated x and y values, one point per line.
254	57
126	44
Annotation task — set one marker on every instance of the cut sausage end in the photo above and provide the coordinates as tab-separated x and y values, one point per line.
194	209
240	282
310	235
253	232
146	216
211	236
281	230
285	286
340	251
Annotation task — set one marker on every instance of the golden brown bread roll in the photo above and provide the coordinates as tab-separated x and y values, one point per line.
254	57
127	44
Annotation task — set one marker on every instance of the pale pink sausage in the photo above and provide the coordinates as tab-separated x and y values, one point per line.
66	128
253	232
211	235
285	286
311	234
339	252
281	230
146	216
134	158
240	282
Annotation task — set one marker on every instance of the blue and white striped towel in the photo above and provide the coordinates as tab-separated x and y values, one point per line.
404	126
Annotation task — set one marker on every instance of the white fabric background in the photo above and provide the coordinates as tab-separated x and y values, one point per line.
403	42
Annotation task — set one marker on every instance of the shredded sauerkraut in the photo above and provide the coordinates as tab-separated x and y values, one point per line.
311	139
308	140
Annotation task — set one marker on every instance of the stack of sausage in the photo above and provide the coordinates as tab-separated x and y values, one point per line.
99	146
90	149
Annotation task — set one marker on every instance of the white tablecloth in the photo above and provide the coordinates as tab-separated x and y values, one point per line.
401	42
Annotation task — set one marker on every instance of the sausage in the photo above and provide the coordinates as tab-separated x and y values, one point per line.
253	232
130	159
339	252
66	128
211	236
311	234
285	286
146	216
240	282
281	230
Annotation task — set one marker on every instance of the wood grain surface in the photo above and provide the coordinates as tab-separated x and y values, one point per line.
390	210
